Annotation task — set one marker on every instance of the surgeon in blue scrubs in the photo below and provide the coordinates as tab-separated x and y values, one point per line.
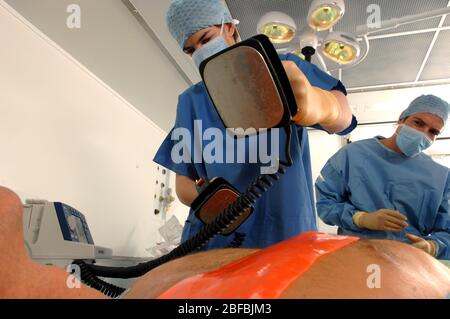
203	28
388	188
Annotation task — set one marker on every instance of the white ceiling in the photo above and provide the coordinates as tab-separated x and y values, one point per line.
397	58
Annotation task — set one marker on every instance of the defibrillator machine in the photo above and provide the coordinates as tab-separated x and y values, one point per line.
56	234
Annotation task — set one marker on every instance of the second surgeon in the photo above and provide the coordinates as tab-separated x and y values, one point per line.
388	188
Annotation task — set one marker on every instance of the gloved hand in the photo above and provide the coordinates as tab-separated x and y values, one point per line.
382	219
315	106
428	246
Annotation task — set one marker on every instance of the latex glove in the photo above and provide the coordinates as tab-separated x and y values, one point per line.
382	219
315	106
428	246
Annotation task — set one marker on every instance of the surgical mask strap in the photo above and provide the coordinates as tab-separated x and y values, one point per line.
221	28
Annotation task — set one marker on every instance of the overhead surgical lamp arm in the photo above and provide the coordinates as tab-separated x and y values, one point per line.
396	22
322	63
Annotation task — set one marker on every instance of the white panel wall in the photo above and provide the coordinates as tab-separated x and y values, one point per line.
115	47
66	136
154	15
322	146
387	105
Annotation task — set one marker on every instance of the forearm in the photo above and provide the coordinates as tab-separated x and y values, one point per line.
337	214
333	205
441	228
185	189
330	109
344	119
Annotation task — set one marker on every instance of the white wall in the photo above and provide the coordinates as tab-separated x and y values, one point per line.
154	15
113	45
66	136
322	147
387	105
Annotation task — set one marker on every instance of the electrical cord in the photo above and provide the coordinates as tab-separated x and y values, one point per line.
237	241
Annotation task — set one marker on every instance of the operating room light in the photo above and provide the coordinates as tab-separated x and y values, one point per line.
325	14
341	48
277	26
340	52
278	32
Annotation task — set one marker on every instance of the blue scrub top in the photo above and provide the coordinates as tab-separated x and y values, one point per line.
367	176
287	209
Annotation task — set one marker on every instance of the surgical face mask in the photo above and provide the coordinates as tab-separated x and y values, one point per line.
411	141
209	49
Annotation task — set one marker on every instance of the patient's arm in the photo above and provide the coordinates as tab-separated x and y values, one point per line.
406	272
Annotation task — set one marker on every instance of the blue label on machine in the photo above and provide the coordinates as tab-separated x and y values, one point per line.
73	224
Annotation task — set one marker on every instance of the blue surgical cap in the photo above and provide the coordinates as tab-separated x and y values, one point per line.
185	17
428	104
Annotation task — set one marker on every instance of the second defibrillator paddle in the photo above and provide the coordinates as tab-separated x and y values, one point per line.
215	196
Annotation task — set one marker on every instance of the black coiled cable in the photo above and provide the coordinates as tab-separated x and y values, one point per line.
237	241
232	212
89	278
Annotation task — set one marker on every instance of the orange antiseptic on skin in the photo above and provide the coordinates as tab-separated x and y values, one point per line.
264	274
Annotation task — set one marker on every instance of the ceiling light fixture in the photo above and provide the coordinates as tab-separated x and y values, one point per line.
341	48
324	14
278	26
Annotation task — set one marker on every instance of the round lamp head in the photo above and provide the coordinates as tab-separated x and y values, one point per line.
277	26
341	48
324	14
